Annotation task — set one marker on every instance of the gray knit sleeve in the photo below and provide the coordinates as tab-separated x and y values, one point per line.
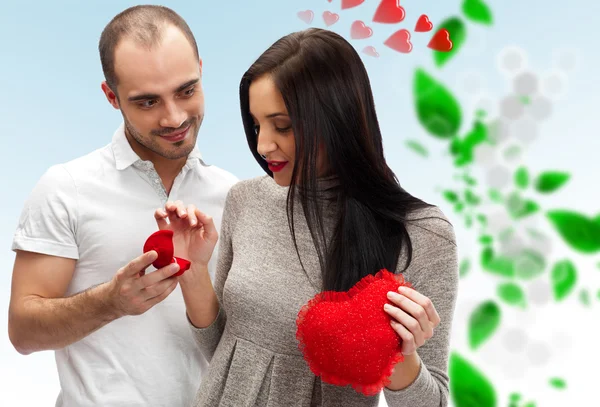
208	338
434	273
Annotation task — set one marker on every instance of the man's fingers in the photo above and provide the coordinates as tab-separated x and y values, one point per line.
159	275
160	291
139	263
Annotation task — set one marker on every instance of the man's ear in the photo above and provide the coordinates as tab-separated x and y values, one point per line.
110	95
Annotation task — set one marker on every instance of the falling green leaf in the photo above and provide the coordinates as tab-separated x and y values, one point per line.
550	181
468	385
522	178
525	100
515	396
482	219
500	265
564	277
471	198
480	113
450	196
584	297
529	264
483	322
470	180
464	268
477	11
577	230
417	148
495	196
463	149
469	221
486	239
512	294
458	32
458	207
506	234
520	208
558	383
437	109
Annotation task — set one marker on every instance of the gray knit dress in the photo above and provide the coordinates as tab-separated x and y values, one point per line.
252	348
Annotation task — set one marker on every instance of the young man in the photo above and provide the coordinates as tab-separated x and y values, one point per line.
120	334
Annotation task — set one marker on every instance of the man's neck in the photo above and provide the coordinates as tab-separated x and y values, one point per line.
167	169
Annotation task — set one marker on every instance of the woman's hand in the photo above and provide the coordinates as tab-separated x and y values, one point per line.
194	233
413	318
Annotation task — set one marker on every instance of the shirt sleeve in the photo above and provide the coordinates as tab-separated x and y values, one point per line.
48	221
208	338
434	273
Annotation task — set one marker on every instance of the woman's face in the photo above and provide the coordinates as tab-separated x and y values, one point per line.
273	127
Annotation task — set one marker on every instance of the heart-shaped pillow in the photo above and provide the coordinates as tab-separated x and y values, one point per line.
162	243
346	337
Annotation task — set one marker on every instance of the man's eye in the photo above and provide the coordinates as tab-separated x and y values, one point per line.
147	103
189	92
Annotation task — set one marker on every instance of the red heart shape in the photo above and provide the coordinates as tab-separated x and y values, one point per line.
351	3
441	41
423	24
370	50
162	242
306	16
400	41
359	30
330	18
346	337
389	12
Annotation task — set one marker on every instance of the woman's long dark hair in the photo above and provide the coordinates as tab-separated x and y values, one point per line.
328	96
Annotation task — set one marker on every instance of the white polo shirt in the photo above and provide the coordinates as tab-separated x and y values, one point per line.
99	210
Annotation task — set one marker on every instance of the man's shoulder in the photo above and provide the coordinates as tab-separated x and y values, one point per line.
219	175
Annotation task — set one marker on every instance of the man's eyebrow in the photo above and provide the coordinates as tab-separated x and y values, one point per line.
147	96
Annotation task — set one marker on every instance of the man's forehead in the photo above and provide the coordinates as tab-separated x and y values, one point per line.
166	65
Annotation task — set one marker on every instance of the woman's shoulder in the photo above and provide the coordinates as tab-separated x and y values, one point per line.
429	222
261	187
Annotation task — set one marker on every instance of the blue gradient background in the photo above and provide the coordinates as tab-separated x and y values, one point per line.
53	110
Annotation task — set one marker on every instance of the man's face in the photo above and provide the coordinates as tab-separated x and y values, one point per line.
160	95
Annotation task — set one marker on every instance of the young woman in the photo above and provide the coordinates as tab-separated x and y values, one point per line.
329	212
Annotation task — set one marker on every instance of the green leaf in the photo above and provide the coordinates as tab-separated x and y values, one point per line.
458	207
522	178
468	385
471	198
577	230
483	322
558	383
500	265
482	219
512	294
520	208
495	196
463	149
486	239
550	181
477	11
512	152
468	221
464	268
584	297
417	148
470	180
450	196
529	264
458	32
437	109
564	277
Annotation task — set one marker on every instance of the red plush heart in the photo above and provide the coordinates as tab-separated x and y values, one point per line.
162	243
441	41
389	12
346	337
423	24
359	30
351	3
400	41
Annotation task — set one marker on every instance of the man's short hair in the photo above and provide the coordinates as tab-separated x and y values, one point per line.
145	24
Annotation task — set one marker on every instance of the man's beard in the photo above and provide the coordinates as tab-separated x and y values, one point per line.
151	142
